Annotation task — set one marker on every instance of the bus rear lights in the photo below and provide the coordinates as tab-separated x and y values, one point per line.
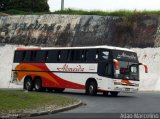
14	77
15	74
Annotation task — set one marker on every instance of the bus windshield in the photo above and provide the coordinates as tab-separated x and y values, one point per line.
128	70
128	65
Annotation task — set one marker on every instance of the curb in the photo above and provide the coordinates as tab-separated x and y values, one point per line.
52	111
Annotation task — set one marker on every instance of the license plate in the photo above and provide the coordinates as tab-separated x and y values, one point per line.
127	89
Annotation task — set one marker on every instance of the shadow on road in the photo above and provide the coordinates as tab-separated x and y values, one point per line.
78	94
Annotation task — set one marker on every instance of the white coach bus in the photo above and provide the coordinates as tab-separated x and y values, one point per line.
94	69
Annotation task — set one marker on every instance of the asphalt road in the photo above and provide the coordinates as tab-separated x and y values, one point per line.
141	102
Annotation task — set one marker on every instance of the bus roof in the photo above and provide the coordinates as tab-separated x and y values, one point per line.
87	47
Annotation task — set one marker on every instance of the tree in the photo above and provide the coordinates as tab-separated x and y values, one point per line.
40	5
25	5
4	5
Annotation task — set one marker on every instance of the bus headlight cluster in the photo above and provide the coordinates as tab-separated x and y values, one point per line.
137	85
117	83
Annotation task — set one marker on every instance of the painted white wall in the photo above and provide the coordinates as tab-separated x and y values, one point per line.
6	59
151	57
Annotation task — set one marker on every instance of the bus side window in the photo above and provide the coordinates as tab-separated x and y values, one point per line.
104	55
27	56
91	55
64	55
18	56
40	56
52	56
33	56
75	55
83	56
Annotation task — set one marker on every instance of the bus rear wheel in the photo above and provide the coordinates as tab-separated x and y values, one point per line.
91	88
114	94
28	84
38	84
59	90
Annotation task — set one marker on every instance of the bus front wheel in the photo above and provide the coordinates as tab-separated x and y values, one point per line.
91	88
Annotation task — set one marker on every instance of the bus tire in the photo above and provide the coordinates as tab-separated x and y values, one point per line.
59	90
114	94
91	88
28	84
38	84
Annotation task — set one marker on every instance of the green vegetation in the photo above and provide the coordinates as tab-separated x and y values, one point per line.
83	12
17	12
26	7
105	13
23	6
17	101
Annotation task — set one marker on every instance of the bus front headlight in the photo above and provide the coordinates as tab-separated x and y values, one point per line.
117	83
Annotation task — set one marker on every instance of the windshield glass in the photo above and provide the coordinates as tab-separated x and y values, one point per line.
127	70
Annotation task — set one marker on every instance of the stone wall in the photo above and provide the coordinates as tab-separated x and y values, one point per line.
77	30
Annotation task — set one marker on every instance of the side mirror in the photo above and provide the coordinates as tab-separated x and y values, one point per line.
145	67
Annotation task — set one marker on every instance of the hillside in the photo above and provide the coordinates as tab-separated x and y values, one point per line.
81	30
139	32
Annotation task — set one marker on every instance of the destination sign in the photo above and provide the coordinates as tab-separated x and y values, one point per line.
125	56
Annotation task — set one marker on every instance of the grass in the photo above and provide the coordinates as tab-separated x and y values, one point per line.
85	12
12	101
107	13
102	13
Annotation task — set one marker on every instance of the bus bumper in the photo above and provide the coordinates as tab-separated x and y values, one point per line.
126	89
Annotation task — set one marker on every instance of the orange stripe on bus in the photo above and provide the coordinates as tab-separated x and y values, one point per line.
28	67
